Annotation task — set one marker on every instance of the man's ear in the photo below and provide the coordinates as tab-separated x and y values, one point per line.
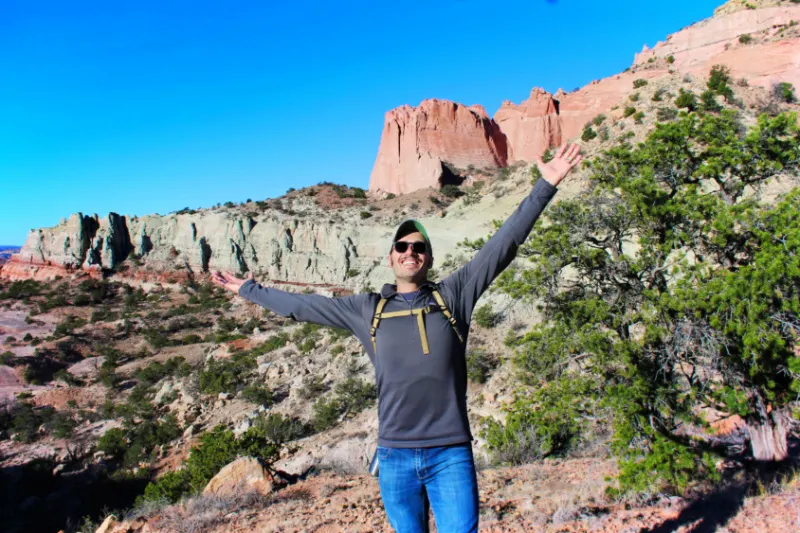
389	259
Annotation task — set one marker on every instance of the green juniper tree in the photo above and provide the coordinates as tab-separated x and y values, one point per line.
669	293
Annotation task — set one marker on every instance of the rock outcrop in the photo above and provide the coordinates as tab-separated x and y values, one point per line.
271	244
245	474
418	143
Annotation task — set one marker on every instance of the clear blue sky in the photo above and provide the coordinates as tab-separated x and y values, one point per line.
147	107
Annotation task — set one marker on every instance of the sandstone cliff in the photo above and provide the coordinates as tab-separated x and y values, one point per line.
417	142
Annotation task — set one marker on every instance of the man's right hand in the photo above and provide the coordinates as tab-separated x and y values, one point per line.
227	280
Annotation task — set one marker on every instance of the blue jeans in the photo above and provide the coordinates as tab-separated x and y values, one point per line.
445	476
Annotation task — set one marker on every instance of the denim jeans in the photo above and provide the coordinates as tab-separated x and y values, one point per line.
446	475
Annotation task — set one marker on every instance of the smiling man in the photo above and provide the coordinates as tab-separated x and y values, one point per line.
415	332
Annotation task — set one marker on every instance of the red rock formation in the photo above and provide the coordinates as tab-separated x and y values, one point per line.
530	127
417	141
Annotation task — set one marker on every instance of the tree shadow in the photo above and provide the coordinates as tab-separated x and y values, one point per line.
714	510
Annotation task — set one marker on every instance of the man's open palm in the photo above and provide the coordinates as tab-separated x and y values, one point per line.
567	157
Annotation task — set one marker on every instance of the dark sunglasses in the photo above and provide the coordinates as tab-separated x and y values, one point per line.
418	247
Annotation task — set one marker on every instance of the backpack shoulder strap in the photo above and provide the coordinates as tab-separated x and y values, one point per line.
447	314
376	319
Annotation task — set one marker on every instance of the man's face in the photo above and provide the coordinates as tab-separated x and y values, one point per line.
410	265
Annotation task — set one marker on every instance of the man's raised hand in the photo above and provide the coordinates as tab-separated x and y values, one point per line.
567	157
226	280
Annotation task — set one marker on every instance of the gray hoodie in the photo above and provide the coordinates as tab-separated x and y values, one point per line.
422	399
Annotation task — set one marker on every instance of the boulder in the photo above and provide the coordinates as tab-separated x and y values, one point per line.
245	474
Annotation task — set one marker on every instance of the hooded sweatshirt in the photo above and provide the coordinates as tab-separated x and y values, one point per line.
422	398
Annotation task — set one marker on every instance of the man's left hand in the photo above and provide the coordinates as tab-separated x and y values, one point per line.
567	157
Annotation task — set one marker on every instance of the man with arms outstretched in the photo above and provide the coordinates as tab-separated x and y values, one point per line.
415	333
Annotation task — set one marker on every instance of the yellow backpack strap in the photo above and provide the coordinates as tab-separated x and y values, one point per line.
446	312
376	319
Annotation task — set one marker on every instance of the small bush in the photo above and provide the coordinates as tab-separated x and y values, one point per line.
258	394
630	110
658	95
587	135
639	83
312	386
365	214
784	92
485	316
745	38
664	114
451	191
281	429
638	116
391	196
479	366
599	119
670	59
686	100
326	414
634	97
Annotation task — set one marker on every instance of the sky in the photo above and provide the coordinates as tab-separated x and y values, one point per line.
149	107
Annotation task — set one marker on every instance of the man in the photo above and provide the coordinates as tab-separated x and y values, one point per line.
417	346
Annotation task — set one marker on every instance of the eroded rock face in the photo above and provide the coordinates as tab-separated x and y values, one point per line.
417	141
309	249
530	127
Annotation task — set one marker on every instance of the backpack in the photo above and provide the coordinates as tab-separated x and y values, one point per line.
420	313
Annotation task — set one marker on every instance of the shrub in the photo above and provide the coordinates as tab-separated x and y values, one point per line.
719	82
326	414
365	214
664	114
638	116
634	97
352	272
479	366
391	196
708	102
258	394
312	386
485	316
281	429
451	191
784	92
687	100
630	110
670	59
658	94
355	395
113	443
599	119
587	135
745	38
639	83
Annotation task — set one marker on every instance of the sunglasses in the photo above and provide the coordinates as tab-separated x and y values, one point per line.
418	247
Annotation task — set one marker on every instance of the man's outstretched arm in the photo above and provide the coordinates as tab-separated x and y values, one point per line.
470	281
338	312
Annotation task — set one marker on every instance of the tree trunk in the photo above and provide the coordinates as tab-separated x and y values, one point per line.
768	438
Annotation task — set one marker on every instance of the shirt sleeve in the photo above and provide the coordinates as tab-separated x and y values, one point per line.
469	282
344	312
